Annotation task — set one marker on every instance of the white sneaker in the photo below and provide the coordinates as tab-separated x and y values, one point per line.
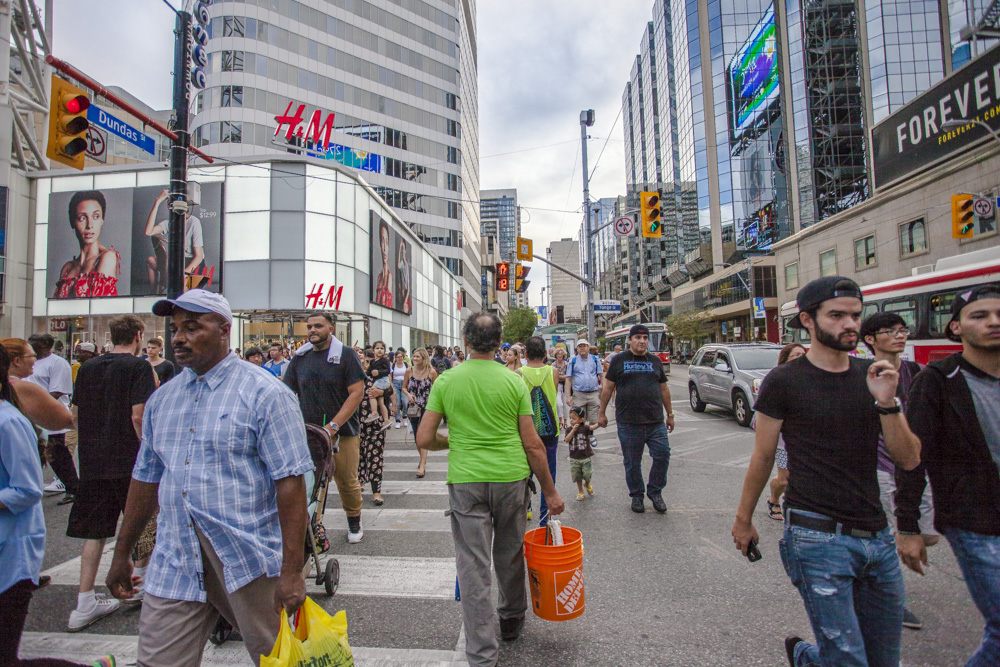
397	425
55	486
354	536
136	598
79	620
372	418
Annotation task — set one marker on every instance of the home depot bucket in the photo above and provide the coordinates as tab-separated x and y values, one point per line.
555	574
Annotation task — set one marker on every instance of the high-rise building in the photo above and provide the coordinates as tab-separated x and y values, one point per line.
397	80
562	291
501	209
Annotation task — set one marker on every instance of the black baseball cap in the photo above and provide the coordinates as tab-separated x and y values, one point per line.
817	291
638	330
963	299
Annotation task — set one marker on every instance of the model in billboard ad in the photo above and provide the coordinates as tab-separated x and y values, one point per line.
112	242
391	267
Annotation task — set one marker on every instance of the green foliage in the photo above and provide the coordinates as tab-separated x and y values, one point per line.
519	325
693	326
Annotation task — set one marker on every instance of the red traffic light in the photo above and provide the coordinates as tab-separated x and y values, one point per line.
77	104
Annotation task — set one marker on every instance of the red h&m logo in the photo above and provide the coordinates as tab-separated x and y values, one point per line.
329	300
314	130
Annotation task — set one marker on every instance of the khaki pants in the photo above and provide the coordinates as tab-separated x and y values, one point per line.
346	474
174	632
591	401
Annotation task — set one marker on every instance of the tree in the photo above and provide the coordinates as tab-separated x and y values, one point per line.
693	326
519	325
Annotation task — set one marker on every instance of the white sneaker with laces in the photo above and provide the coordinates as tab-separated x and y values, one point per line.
354	536
55	486
136	597
78	620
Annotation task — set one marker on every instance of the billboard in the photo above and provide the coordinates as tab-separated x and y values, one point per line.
113	241
391	267
752	75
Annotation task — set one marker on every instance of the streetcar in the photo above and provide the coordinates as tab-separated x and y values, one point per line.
660	342
922	300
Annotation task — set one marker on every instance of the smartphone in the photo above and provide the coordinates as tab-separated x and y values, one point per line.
753	553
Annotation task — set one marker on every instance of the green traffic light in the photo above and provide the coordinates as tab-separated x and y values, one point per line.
967	228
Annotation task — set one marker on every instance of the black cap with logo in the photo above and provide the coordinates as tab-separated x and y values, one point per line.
817	291
963	299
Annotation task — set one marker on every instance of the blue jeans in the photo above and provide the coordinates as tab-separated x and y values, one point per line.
401	400
551	443
853	591
634	438
979	557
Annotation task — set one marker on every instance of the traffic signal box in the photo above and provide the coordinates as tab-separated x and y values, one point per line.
520	273
503	277
962	216
649	207
67	124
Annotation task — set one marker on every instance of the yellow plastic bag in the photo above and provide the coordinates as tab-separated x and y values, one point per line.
319	640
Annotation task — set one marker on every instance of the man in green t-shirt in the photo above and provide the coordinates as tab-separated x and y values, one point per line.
492	447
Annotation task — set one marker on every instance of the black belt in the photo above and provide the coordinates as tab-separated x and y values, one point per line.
826	525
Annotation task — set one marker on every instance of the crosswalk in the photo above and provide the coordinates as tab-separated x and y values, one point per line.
406	561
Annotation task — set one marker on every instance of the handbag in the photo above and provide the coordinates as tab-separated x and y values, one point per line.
413	411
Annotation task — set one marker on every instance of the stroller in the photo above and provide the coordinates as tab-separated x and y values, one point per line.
322	449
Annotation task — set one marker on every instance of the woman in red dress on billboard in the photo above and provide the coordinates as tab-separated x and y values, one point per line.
94	272
384	282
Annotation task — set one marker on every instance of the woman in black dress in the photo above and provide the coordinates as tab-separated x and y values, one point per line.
372	446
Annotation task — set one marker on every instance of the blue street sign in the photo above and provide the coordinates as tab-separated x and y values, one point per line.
759	312
104	120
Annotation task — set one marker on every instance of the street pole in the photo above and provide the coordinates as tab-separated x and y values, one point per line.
586	120
178	156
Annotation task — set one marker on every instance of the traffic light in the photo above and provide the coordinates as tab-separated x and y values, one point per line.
649	206
67	124
520	284
962	216
503	277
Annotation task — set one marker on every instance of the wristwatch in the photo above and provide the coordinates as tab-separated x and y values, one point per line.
334	426
670	415
894	410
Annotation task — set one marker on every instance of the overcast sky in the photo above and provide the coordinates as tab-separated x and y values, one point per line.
540	63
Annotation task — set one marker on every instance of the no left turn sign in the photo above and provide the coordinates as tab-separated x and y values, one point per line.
624	226
983	207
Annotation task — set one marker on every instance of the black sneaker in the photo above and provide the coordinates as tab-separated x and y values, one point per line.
790	643
510	628
638	506
910	620
67	499
658	504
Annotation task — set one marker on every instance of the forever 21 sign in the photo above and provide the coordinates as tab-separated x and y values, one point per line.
913	138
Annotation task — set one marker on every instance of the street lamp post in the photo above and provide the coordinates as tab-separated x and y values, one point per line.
955	124
586	120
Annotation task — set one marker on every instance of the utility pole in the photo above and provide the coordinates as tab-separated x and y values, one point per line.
586	120
178	156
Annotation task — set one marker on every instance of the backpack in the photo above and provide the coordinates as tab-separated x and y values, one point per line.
572	365
542	414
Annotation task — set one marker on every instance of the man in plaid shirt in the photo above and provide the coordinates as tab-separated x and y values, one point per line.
224	451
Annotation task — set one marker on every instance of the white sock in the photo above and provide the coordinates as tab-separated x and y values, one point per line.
86	602
140	572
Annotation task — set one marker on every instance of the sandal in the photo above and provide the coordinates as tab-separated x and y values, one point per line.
420	473
774	511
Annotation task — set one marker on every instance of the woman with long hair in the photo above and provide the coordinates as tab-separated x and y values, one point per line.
371	459
417	387
22	523
562	410
384	287
94	272
513	360
779	483
34	402
399	368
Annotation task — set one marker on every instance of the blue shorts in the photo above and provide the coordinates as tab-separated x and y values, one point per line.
383	383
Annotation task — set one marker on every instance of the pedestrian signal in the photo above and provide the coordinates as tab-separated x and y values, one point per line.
649	206
503	277
962	216
67	124
520	284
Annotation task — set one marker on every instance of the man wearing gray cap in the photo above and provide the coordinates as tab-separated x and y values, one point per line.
583	381
224	451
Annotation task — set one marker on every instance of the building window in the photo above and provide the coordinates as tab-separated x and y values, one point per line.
233	26
232	61
232	133
912	238
864	252
232	96
791	275
828	262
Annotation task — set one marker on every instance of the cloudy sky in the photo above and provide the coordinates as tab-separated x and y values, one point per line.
540	63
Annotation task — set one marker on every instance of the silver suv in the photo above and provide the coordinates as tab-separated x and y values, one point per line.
729	376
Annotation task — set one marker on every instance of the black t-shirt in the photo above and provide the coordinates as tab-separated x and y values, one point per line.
380	365
106	389
637	383
322	386
165	370
583	442
831	433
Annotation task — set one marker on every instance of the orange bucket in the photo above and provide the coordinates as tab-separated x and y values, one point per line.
555	574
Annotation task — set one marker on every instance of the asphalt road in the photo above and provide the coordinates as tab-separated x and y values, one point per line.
660	589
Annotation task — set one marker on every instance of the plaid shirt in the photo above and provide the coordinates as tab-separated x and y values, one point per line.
215	444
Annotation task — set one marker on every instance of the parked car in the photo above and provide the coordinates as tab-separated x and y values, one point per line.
729	376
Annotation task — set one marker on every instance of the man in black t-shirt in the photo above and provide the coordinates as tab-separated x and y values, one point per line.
643	395
837	547
109	399
330	382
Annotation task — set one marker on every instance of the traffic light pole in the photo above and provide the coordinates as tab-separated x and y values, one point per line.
586	120
178	156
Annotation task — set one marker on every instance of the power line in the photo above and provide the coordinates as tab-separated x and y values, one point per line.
606	140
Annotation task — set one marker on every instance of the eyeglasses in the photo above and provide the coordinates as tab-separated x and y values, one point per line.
897	333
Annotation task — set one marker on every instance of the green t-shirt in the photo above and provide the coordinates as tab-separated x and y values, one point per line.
544	378
482	401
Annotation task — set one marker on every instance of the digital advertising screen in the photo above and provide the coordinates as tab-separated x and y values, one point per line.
753	76
391	267
114	241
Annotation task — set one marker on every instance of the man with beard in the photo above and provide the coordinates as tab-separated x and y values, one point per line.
954	406
837	547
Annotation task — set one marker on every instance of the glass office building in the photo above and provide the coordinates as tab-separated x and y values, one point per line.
398	78
500	209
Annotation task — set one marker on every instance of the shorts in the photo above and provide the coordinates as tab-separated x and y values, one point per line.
383	383
887	494
581	470
98	506
781	458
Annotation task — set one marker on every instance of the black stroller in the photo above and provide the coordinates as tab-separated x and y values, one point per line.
322	448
